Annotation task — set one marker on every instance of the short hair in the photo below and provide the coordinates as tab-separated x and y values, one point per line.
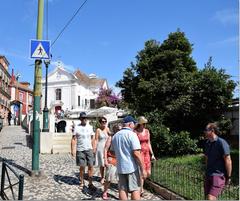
214	127
100	120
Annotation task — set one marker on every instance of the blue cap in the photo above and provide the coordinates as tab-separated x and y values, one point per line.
128	119
83	115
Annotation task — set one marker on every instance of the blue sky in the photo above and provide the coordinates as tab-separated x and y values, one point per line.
106	35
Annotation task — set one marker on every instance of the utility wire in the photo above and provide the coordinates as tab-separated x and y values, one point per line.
68	22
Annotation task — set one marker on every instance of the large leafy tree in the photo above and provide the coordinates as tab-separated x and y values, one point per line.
165	79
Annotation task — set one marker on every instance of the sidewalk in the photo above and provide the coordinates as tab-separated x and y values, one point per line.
60	174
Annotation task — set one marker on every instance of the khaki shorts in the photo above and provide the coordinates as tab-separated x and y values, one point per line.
130	182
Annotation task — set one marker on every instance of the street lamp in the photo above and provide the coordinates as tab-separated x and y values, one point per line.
45	110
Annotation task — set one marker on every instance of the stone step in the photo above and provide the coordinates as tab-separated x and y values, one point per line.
58	148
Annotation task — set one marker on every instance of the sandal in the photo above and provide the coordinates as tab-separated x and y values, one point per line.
105	196
81	185
143	194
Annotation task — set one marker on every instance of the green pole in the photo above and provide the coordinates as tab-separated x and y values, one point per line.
37	96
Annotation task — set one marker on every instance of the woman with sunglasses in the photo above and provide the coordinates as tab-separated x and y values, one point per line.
101	136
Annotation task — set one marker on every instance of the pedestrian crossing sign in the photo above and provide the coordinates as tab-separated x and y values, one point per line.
40	49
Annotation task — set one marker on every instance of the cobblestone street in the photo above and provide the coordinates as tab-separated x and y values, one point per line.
59	178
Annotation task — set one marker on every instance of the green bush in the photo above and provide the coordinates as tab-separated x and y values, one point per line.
165	142
181	144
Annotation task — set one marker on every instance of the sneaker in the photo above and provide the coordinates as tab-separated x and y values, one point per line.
105	196
92	187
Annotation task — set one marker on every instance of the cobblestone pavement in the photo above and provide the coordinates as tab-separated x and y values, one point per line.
60	175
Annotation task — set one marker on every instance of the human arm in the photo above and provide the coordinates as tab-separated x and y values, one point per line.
138	158
96	140
150	147
106	148
228	166
73	146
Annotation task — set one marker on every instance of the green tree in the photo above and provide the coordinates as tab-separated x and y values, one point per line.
165	78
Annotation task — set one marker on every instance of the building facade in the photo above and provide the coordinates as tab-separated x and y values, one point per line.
71	91
21	99
4	89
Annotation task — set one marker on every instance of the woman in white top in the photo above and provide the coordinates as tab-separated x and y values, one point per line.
100	140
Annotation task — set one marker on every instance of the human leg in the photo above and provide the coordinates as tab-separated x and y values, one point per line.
123	186
102	174
134	185
106	187
214	186
81	161
81	175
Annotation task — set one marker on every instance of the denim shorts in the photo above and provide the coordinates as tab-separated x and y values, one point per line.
214	185
84	158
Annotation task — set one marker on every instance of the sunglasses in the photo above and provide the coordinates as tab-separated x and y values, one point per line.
207	129
104	122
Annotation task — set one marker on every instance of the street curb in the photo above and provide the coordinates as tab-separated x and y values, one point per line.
165	193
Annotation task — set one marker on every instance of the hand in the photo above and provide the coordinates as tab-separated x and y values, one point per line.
106	163
153	158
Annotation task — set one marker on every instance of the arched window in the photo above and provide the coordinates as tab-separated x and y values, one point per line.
58	94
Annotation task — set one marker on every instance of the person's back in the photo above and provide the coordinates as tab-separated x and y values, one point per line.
123	146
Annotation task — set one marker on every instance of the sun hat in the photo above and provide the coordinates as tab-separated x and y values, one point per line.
142	120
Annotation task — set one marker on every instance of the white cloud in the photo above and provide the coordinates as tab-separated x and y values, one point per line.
226	16
227	41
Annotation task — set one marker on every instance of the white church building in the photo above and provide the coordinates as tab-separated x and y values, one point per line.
71	91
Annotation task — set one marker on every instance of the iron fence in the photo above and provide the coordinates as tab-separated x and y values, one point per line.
8	189
187	181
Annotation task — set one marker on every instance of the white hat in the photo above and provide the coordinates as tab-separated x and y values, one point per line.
142	120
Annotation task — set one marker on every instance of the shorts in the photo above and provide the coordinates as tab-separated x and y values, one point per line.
84	158
111	173
130	182
214	185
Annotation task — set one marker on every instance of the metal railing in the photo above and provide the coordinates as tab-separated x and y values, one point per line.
8	189
187	181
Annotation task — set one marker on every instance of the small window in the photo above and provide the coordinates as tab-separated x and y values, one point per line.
79	100
92	103
58	94
21	96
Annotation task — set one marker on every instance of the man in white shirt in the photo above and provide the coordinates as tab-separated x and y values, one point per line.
83	138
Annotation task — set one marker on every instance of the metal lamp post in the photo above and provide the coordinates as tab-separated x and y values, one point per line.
45	110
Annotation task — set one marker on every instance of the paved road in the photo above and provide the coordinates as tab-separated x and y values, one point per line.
59	178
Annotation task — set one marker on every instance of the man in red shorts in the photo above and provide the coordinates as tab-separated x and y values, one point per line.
218	161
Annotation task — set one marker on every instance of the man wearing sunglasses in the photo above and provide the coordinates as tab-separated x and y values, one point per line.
83	137
218	161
